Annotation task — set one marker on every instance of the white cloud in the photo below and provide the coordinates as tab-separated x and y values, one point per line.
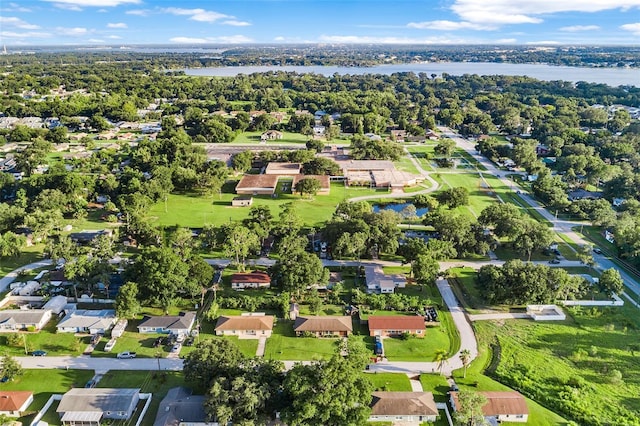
114	37
506	41
93	3
12	21
390	40
279	38
529	11
138	12
23	35
116	25
73	32
449	26
14	7
236	39
199	15
95	40
71	7
578	28
633	28
235	23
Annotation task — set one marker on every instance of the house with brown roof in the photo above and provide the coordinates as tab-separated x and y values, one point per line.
325	185
257	185
245	326
324	326
507	406
385	326
287	169
270	135
255	279
15	403
403	407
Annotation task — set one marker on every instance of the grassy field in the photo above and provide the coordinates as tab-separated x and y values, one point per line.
48	340
148	381
27	255
390	382
417	349
253	138
195	211
284	345
44	383
580	356
437	384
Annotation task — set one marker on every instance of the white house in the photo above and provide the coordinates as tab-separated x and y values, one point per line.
255	279
23	319
88	406
169	324
403	407
87	321
507	406
379	282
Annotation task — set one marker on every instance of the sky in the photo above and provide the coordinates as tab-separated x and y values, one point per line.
186	22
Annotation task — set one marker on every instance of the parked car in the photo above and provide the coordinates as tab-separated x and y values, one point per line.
90	384
554	261
126	355
597	250
189	342
176	348
39	352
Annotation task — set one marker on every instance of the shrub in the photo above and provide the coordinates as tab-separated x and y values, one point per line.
14	339
615	377
308	334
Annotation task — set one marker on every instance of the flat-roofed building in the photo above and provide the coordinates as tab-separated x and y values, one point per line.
257	185
325	184
88	406
287	169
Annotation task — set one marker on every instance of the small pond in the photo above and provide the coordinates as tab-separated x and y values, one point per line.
399	207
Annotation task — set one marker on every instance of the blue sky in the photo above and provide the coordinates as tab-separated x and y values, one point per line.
121	22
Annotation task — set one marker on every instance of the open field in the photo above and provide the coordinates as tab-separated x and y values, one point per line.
417	349
390	382
193	210
284	345
44	383
590	373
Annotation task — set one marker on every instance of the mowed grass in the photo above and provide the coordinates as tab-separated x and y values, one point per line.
284	345
43	383
48	340
193	210
157	383
389	382
580	357
415	348
436	384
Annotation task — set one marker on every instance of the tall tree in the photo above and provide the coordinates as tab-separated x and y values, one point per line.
10	368
465	357
469	411
127	304
239	243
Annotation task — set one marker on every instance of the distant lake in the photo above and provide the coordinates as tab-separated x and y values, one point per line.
610	76
398	207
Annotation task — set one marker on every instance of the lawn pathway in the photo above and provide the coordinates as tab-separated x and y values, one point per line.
262	342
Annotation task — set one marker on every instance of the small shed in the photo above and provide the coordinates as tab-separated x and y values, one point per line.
241	201
119	328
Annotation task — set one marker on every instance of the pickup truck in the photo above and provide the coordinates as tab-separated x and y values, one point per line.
126	355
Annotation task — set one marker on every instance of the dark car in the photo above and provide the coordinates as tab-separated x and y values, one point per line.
39	352
597	250
189	342
554	261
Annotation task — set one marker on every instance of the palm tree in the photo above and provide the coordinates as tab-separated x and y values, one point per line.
440	358
465	357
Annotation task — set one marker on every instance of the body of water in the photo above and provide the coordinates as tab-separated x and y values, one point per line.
610	76
399	207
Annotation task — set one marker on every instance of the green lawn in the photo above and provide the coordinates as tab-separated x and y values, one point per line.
579	356
284	345
148	381
253	138
194	210
27	255
389	382
417	349
437	384
48	340
44	383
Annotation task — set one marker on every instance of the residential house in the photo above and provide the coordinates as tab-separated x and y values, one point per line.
398	135
385	326
181	408
403	407
89	406
507	406
169	324
270	135
15	403
23	319
247	326
324	326
379	282
56	304
87	321
255	279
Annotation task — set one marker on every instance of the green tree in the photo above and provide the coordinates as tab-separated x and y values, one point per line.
211	359
611	282
295	271
469	409
241	162
425	268
10	368
127	305
440	358
465	357
445	148
308	185
239	243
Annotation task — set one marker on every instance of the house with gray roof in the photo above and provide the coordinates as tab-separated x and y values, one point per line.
405	407
88	321
23	319
169	324
89	406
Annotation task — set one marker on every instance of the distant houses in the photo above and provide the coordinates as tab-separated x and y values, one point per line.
255	279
